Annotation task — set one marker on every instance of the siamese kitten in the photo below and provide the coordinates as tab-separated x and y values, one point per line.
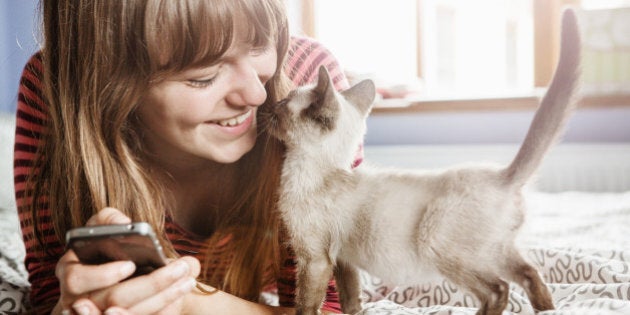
403	225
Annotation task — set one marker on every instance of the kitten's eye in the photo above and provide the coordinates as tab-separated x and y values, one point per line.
202	83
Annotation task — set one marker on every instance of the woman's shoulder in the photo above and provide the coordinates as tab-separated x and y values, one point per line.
30	95
34	63
305	56
32	108
32	74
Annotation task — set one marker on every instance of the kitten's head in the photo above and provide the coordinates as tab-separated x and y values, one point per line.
319	118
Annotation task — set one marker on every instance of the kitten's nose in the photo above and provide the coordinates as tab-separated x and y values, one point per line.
274	108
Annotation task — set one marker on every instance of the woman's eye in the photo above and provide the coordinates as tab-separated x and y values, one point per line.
202	83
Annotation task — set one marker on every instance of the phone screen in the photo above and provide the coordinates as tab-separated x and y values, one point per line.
101	244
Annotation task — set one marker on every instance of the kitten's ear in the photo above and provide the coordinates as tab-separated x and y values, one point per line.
324	83
324	108
361	95
325	90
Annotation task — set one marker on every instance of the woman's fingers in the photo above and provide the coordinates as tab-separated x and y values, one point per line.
193	263
108	216
84	306
91	289
77	280
72	274
117	311
167	283
101	276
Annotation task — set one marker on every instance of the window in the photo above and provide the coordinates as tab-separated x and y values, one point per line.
604	4
476	47
456	48
370	37
606	46
446	43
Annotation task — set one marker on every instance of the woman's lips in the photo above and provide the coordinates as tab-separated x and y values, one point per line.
234	121
235	125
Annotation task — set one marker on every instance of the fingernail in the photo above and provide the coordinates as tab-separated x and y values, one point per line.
180	269
127	268
81	309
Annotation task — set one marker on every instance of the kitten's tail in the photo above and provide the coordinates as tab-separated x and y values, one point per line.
554	109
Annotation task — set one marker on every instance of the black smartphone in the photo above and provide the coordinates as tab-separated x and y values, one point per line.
104	243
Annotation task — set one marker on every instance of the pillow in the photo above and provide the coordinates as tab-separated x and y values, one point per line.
14	286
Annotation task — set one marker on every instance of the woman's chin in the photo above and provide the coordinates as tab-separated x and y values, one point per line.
233	152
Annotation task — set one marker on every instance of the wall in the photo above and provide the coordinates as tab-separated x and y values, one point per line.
17	43
566	167
586	125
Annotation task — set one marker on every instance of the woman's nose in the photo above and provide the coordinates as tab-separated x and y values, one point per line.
248	87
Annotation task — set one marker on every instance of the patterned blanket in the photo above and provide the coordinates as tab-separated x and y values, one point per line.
13	285
580	242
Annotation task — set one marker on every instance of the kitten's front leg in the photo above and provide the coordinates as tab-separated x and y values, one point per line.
349	286
314	272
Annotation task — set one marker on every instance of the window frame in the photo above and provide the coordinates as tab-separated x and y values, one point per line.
547	24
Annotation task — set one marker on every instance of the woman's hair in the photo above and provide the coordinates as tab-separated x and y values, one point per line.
100	58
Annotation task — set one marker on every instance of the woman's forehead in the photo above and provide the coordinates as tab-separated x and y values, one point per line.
203	40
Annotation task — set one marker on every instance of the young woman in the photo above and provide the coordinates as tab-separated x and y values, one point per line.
146	111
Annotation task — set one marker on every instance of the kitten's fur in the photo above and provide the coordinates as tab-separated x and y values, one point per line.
402	225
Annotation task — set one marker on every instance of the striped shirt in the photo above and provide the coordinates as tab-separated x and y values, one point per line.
303	61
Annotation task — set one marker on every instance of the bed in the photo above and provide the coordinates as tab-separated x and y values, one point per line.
577	233
13	284
578	240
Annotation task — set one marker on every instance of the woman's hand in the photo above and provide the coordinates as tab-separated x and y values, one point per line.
93	289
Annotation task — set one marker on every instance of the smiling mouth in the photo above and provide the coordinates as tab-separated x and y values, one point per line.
234	121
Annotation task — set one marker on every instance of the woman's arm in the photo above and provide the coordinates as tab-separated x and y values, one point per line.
223	303
31	118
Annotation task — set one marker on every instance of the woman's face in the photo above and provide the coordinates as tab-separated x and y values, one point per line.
208	113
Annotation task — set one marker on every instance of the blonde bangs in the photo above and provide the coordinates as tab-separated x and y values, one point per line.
190	33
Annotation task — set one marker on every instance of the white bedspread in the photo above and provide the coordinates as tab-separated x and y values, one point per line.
580	242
